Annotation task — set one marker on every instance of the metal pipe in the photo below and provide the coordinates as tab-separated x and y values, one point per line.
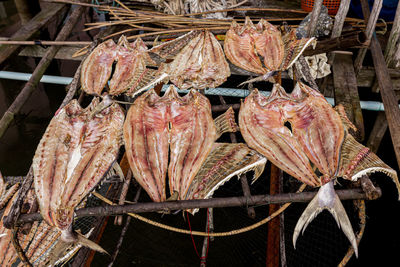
230	92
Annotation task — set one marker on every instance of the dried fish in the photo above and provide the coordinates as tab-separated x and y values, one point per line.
180	129
286	128
75	152
130	72
96	68
200	64
246	45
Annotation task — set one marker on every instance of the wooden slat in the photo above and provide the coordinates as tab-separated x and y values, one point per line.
346	91
371	23
389	98
30	28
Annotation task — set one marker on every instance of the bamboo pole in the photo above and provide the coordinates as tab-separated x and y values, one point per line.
101	211
31	85
29	29
369	31
388	96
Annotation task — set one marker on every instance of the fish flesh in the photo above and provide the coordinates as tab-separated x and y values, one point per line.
262	48
171	135
299	130
200	64
224	162
77	149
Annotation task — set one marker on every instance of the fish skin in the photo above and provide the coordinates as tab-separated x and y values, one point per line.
156	126
97	67
76	150
261	122
200	64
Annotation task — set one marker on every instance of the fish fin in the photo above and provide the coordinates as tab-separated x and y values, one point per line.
118	171
225	123
326	198
343	116
357	160
84	241
159	77
264	77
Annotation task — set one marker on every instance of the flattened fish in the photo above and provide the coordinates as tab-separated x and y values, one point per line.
318	135
224	162
130	70
200	64
96	68
131	64
262	124
75	152
245	47
240	48
180	126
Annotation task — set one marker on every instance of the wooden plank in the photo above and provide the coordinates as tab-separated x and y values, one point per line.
392	45
371	23
346	91
389	98
377	133
29	29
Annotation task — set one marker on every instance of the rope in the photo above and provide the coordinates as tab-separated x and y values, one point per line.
199	233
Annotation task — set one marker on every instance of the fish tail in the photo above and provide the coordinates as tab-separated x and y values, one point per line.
326	198
82	240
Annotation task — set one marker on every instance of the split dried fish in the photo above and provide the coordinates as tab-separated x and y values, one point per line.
180	129
130	72
299	129
262	48
75	152
200	64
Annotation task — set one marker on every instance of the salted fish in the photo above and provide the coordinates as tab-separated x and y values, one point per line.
262	48
316	134
75	152
171	135
130	74
200	64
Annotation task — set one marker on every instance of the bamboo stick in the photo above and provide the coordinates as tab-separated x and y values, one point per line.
369	31
31	85
101	211
377	133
